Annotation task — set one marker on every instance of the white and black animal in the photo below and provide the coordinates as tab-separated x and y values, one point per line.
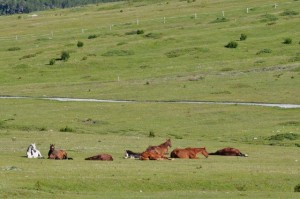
32	152
132	155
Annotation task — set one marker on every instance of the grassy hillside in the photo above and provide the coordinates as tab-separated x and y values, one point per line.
180	55
148	51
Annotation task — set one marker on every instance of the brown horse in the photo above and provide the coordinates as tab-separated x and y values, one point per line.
188	153
151	155
161	149
229	152
57	154
104	157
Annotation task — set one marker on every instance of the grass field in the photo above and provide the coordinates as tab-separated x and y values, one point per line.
179	55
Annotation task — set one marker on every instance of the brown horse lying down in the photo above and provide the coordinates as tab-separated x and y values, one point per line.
104	157
57	154
229	152
151	155
156	152
188	153
162	148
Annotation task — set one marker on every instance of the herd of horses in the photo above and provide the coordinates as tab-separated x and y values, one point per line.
158	152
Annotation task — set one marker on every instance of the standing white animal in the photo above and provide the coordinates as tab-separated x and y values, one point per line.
32	152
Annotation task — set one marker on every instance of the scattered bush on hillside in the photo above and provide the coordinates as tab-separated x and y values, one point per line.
283	136
297	188
92	36
64	56
66	129
118	53
268	18
220	20
153	35
151	134
135	32
80	44
52	61
289	13
287	41
264	51
232	44
185	51
27	56
14	49
296	59
243	37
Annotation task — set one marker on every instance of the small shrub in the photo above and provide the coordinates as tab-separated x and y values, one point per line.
79	44
151	134
269	17
243	37
263	51
28	56
118	53
287	41
232	44
289	13
287	136
14	49
220	20
153	35
52	61
66	129
92	36
65	55
297	188
139	32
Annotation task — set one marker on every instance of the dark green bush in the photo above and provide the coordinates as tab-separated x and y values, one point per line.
243	37
66	129
118	53
14	49
92	36
289	13
232	44
153	35
220	20
79	44
297	188
139	32
65	56
287	136
52	61
151	134
263	51
287	41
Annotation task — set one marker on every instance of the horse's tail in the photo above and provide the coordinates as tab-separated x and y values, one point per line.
215	153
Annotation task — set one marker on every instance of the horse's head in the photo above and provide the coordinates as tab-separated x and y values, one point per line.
52	147
169	143
204	152
31	147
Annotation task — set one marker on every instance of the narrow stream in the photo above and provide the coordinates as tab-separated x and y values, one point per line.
178	102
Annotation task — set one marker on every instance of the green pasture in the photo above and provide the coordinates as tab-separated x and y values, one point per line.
180	55
271	170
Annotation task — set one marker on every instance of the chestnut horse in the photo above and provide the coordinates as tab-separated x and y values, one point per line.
229	152
152	155
104	157
188	153
156	152
57	154
161	149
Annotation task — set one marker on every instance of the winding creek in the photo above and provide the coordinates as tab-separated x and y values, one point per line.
178	102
